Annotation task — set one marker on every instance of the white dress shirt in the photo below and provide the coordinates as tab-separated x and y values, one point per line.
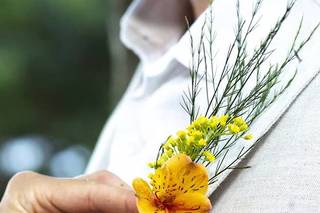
286	162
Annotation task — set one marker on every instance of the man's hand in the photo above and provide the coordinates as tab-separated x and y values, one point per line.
29	192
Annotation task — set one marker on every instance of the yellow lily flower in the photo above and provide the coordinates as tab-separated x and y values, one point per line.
179	186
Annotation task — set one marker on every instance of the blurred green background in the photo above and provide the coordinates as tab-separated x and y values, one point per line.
62	70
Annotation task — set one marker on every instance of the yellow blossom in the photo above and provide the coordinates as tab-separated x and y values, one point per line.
213	122
244	127
196	124
209	156
196	134
202	142
190	140
234	129
169	153
181	134
164	157
180	185
160	162
248	137
223	120
172	141
241	123
167	146
152	164
203	120
201	123
238	121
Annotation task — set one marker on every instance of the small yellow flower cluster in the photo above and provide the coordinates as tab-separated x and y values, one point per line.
248	137
194	141
209	156
238	125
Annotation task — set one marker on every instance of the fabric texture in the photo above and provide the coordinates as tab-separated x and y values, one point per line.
283	165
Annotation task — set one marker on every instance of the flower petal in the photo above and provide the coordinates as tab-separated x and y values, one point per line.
145	201
191	177
179	175
142	189
145	206
191	202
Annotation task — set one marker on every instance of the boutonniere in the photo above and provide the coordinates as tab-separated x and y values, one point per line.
194	158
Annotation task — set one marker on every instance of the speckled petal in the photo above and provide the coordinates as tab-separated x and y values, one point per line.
191	202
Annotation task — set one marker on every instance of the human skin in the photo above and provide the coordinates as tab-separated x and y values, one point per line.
102	192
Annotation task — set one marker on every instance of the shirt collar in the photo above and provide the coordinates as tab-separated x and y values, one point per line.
150	29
